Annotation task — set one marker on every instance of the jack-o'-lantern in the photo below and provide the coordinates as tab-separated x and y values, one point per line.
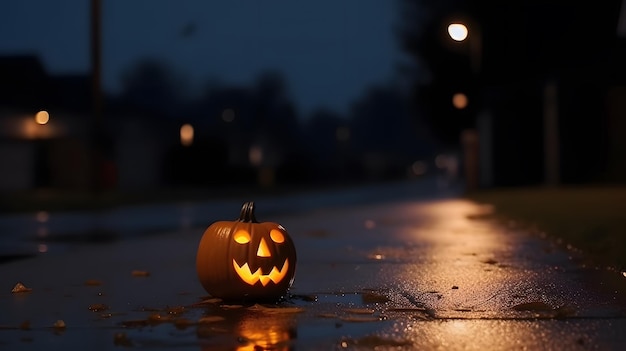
246	260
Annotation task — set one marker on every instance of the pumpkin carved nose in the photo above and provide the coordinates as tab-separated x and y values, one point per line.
263	250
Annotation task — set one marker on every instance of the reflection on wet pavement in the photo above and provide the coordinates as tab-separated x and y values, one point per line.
436	274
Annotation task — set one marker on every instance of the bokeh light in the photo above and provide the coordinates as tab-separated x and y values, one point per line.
42	117
186	134
255	155
458	31
459	101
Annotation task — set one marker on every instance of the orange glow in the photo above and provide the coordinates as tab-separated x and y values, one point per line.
256	155
42	117
277	236
186	135
266	331
264	250
458	31
275	275
32	128
459	100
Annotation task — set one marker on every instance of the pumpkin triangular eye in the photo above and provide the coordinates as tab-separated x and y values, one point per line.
277	236
242	237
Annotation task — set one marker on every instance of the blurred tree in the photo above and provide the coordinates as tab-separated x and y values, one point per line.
276	115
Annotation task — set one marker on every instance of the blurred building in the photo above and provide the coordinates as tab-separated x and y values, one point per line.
46	128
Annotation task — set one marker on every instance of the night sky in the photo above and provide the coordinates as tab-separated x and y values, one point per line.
328	50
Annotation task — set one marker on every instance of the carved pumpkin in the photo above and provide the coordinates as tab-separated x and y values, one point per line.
245	259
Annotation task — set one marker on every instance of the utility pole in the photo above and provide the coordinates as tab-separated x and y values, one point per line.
95	161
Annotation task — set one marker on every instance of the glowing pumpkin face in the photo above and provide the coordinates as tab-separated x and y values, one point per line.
245	259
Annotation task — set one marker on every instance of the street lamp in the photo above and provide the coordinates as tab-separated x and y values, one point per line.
476	145
42	117
458	31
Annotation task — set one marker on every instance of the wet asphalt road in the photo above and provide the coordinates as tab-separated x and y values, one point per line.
408	270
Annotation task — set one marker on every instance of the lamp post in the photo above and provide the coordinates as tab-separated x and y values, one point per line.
476	142
95	146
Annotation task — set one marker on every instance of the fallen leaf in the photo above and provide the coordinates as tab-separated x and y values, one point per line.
97	307
137	273
121	339
375	342
210	319
93	282
136	323
264	309
20	288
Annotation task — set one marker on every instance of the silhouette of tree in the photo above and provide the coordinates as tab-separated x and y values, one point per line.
153	86
324	143
383	133
275	112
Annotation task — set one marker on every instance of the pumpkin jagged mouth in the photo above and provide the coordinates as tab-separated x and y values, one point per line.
276	275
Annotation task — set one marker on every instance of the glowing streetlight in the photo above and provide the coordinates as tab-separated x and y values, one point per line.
186	135
458	31
42	117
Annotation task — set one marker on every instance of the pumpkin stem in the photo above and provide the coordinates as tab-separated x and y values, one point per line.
247	213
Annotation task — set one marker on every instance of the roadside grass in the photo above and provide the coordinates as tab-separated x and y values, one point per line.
591	219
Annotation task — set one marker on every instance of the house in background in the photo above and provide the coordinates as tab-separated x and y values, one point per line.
52	149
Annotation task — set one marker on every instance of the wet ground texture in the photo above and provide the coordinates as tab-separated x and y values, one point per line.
415	272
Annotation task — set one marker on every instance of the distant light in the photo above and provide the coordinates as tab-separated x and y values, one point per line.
228	115
186	135
441	161
255	155
459	100
43	248
370	224
42	117
457	31
419	167
342	133
42	216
